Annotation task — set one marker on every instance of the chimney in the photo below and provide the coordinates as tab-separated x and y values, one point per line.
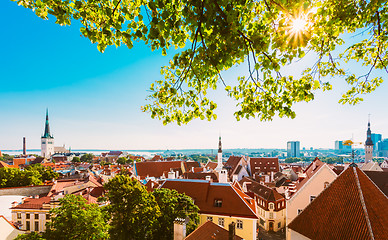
171	175
232	230
24	146
208	178
180	228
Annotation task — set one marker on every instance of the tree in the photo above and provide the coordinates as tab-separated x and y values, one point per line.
87	157
266	35
174	205
47	173
134	211
30	236
293	160
6	158
14	177
76	219
76	160
121	160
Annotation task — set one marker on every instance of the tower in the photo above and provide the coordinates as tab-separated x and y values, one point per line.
368	145
47	140
24	146
219	156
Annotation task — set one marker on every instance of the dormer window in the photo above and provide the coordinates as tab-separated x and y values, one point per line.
218	203
271	206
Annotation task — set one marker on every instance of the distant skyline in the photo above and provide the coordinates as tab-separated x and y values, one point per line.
94	99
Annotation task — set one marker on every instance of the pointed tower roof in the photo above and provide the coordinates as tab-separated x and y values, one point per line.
47	127
219	145
368	141
352	207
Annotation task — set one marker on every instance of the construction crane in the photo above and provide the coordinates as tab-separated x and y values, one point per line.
351	143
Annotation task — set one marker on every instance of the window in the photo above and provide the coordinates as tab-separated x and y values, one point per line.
217	203
299	211
312	198
262	222
271	215
28	225
43	143
36	216
19	215
239	224
27	216
221	222
279	225
271	206
326	184
36	226
209	219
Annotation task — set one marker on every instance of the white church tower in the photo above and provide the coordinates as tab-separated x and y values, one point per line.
222	173
47	140
219	156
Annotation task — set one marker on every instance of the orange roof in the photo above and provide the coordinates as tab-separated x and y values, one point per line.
3	164
352	207
155	169
204	193
211	165
33	203
264	164
209	230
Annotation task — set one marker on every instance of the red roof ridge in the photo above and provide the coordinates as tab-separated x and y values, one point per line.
363	202
245	201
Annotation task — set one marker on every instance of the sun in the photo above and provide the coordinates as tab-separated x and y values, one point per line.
298	25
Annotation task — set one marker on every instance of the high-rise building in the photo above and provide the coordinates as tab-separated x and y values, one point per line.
47	140
368	145
382	148
376	137
293	149
340	148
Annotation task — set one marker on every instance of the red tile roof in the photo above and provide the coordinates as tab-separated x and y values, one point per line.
352	207
211	165
204	193
209	230
380	179
33	203
200	175
260	190
265	164
155	169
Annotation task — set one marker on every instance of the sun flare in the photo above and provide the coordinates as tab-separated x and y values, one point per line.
298	25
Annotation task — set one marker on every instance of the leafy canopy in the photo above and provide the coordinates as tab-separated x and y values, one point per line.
76	219
134	211
215	35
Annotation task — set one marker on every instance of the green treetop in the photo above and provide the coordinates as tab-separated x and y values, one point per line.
215	35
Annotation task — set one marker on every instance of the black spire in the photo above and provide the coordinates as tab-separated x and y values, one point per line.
368	141
47	127
219	145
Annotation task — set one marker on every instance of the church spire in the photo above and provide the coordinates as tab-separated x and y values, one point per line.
369	141
219	145
47	127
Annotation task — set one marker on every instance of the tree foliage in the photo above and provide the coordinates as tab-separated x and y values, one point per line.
75	159
174	205
14	177
47	173
134	211
87	157
30	236
215	35
76	219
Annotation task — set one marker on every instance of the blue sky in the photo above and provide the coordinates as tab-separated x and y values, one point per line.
94	99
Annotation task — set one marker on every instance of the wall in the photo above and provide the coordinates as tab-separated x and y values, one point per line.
248	232
25	191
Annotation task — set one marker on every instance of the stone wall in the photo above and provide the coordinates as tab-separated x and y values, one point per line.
25	191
